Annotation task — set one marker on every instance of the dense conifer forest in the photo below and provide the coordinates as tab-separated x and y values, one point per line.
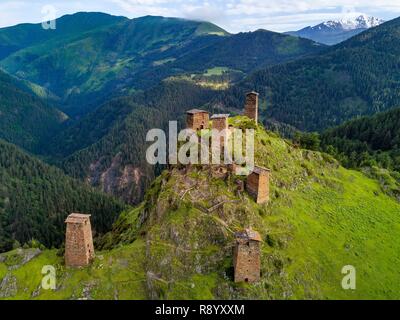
35	199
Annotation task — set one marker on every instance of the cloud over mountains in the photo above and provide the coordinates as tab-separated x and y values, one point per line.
234	15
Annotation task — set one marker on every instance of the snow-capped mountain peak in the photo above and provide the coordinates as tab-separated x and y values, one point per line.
351	23
335	31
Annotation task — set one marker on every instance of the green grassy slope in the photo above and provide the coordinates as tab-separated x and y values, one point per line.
321	217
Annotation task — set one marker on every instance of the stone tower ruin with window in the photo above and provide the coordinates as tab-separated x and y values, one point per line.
246	256
197	119
257	184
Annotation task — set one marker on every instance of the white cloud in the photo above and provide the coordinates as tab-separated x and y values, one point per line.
234	15
138	8
207	12
277	15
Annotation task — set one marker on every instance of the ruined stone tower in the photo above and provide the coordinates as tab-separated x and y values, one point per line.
220	123
251	107
197	119
246	256
79	250
257	184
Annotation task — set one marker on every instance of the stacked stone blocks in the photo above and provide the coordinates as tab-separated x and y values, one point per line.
246	256
79	250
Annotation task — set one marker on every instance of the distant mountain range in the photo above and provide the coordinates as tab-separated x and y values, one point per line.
92	56
335	31
354	78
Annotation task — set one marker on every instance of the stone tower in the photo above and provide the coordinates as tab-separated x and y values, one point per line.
79	250
246	256
251	107
197	119
220	123
257	184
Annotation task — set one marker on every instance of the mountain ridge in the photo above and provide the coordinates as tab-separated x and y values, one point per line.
18	37
126	56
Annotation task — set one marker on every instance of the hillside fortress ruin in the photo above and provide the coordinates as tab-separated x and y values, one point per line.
257	183
246	251
79	250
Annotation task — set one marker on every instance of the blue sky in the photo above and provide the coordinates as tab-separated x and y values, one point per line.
233	15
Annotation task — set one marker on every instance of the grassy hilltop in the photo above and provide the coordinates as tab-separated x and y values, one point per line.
178	244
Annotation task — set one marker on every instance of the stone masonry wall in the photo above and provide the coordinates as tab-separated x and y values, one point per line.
257	185
246	262
197	121
251	107
79	250
221	124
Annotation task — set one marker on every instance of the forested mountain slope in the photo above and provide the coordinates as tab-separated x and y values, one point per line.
107	148
15	38
121	56
94	63
237	55
35	199
368	140
248	51
25	119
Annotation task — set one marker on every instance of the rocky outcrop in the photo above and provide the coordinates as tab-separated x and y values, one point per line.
8	286
122	180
